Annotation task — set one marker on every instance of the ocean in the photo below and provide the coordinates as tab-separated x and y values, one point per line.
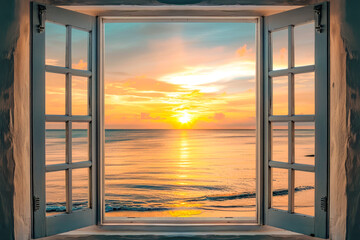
176	173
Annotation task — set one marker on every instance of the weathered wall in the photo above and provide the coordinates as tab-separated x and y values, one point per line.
351	36
21	130
14	120
8	36
338	134
345	120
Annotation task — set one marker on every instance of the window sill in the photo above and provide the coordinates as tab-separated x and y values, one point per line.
196	231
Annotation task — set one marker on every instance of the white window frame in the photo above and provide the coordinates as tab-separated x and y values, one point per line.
259	131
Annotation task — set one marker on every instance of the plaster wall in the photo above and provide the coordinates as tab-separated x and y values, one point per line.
338	134
14	120
344	112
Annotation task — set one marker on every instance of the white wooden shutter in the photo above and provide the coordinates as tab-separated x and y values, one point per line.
281	174
72	216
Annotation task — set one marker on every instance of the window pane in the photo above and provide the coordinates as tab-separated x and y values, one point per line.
55	193
79	95
80	188
279	188
80	142
304	44
79	48
305	143
280	95
55	143
279	142
304	193
55	44
279	41
55	88
304	94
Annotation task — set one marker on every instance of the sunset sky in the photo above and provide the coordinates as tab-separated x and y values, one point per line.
179	75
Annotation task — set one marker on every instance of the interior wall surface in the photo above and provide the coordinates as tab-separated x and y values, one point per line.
350	33
15	112
14	120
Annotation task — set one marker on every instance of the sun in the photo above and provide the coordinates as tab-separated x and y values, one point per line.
185	118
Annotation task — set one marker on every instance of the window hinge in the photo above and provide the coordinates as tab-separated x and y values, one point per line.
324	204
318	26
42	11
36	203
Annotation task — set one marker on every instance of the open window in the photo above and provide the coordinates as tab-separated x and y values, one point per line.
289	148
295	123
63	120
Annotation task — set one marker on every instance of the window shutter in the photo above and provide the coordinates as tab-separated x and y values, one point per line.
296	110
63	181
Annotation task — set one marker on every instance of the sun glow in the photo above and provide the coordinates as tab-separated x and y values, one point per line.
185	118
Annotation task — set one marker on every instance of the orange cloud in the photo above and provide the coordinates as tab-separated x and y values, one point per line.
143	83
82	65
243	51
218	116
146	116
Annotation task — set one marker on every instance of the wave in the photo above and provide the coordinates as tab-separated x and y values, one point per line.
118	205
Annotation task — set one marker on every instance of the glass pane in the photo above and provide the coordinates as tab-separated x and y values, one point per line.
79	95
55	193
79	48
55	99
279	41
80	142
304	44
304	94
80	188
279	188
279	143
304	193
55	143
55	44
280	95
305	143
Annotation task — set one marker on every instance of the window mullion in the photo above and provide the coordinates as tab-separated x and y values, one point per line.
291	113
69	123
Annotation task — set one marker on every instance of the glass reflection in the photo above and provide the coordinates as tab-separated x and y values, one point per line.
80	46
55	97
280	95
304	44
305	143
55	44
55	143
304	193
80	142
279	41
80	188
55	193
279	188
304	93
79	96
279	142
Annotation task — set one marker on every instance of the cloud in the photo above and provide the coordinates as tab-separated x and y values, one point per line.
209	79
218	116
146	116
52	62
243	51
80	65
143	83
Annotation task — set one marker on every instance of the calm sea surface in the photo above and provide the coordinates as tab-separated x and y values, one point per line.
175	173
